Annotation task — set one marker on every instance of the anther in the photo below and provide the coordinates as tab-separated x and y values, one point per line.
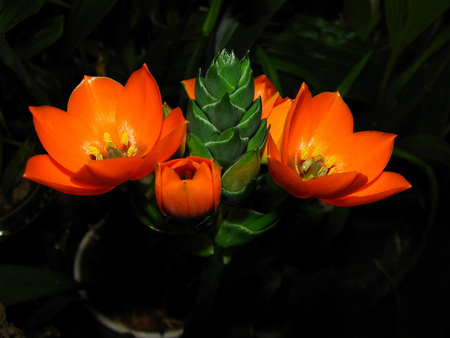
94	151
305	152
109	144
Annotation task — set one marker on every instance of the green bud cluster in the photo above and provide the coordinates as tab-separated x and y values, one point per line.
225	123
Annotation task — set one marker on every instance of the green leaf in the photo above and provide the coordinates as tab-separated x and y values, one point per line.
197	147
362	19
84	17
20	284
15	167
211	19
10	59
408	18
401	81
322	55
228	147
240	32
14	11
241	226
269	68
428	147
250	122
40	38
351	78
224	114
199	124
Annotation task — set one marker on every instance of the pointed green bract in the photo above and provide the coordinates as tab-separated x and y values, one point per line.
225	123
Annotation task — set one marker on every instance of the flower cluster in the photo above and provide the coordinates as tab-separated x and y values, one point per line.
112	134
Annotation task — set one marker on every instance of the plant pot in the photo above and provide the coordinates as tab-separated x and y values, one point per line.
134	282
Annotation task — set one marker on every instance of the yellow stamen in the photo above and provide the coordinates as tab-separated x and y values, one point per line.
305	152
111	148
316	152
94	151
330	161
316	165
319	158
109	143
131	151
125	139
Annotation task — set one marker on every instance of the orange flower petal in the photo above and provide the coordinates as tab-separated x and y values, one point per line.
140	111
162	150
44	170
336	185
297	130
107	173
94	101
367	152
65	137
272	149
217	183
188	198
264	88
189	87
332	186
331	119
287	178
277	119
172	121
385	185
203	172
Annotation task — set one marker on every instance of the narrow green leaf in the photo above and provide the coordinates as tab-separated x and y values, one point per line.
361	15
213	13
15	166
433	203
429	147
240	33
14	11
84	17
400	82
19	284
40	38
269	68
350	79
10	59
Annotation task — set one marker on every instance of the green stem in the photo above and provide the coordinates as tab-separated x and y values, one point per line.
212	270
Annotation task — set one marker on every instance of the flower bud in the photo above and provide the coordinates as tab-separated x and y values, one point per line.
224	119
188	187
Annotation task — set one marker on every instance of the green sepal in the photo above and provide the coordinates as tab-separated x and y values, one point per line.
223	114
241	226
236	197
251	120
202	96
223	75
196	147
259	139
227	147
199	123
245	92
239	178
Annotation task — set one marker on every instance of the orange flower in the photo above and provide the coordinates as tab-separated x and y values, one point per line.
110	134
188	187
322	157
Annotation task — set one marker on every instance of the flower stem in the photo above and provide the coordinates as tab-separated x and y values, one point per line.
202	309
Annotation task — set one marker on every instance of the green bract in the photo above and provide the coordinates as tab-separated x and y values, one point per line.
225	122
